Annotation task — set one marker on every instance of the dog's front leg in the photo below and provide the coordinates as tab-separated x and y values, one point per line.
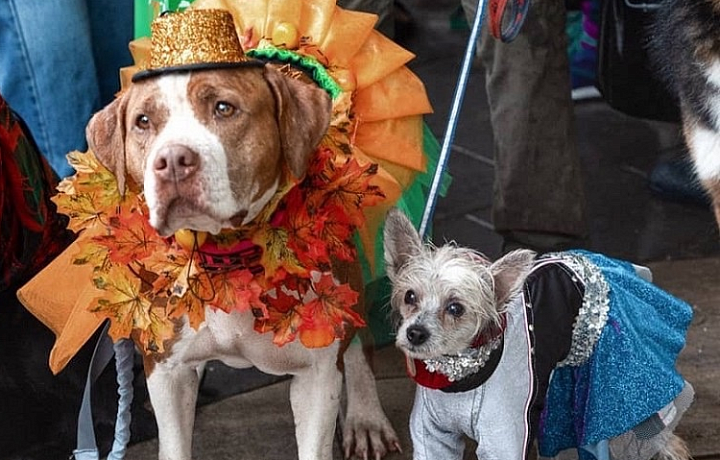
315	400
173	393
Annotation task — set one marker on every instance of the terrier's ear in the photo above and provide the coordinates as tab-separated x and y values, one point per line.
401	241
510	272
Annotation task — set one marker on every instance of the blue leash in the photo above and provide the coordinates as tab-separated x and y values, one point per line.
453	119
519	10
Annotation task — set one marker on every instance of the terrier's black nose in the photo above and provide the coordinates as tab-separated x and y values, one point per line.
417	335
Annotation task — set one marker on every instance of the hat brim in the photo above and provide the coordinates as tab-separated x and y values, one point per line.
149	73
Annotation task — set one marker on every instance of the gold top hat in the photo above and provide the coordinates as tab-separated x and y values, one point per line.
195	39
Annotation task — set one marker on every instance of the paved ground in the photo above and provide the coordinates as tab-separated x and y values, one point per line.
678	241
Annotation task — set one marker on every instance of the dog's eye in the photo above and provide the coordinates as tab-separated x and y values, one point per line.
455	309
142	121
410	298
224	109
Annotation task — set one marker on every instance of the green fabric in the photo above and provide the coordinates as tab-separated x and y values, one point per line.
145	11
307	64
412	203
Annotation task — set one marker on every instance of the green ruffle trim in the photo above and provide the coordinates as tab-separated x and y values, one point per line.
307	64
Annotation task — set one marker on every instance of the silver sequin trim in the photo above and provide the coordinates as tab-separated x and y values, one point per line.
593	313
467	362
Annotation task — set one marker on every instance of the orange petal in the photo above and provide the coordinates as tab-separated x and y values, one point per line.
378	57
400	94
315	19
347	32
399	140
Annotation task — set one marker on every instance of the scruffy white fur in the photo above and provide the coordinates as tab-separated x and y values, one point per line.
442	278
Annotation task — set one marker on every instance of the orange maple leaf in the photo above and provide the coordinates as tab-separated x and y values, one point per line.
325	318
121	303
160	329
348	187
82	210
276	254
91	253
337	234
132	238
305	227
167	265
237	290
282	319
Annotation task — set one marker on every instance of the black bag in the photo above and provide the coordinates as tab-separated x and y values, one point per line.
626	78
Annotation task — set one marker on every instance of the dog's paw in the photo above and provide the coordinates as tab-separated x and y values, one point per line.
368	437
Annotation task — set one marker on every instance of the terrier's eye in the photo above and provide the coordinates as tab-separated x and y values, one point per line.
455	309
142	122
410	298
224	109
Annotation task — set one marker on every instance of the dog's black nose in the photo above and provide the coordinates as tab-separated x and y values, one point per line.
417	335
176	163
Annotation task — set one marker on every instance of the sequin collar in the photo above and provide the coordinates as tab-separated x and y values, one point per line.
465	370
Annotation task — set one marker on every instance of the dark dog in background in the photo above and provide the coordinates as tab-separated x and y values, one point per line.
685	48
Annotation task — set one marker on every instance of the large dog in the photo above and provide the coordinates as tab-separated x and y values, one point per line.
209	148
685	46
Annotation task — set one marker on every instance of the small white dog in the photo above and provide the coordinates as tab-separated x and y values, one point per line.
573	349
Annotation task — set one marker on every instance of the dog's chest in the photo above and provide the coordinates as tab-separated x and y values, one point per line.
231	338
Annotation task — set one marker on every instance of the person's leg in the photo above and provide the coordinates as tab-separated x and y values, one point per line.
47	73
538	184
111	27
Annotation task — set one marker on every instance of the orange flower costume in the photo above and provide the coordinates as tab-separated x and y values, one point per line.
375	155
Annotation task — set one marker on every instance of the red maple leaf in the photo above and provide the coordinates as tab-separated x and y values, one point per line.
282	319
349	188
325	318
237	290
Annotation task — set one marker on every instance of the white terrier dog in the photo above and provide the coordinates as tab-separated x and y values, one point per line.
572	350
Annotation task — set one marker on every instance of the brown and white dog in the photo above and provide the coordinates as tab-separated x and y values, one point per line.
685	46
208	147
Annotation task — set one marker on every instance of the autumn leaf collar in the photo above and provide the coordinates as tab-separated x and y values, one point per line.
150	282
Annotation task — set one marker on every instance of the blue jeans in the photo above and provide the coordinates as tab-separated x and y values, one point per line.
59	64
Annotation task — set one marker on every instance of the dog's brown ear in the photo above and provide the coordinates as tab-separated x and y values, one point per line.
303	113
401	241
510	272
105	135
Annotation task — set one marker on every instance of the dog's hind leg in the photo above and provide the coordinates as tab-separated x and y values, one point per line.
173	393
366	428
315	399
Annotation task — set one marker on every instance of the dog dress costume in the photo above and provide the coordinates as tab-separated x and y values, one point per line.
585	360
